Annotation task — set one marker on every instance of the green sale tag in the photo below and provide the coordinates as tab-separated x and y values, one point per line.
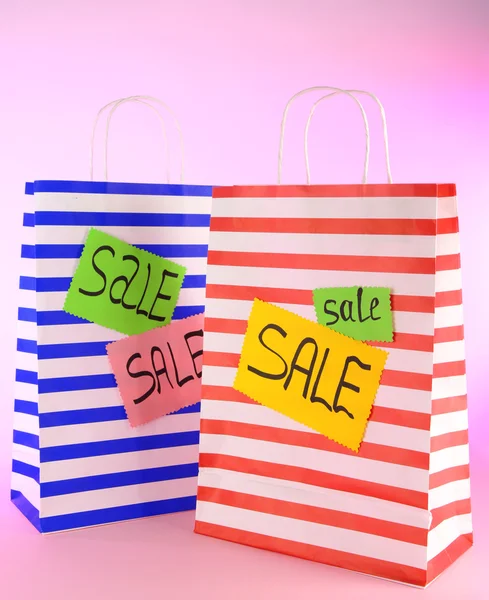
118	286
362	313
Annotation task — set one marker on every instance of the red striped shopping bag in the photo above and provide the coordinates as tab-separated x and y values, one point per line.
400	507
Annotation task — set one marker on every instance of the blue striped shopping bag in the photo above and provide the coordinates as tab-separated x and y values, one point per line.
77	462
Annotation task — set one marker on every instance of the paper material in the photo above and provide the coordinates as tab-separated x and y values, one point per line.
309	373
159	372
363	313
123	288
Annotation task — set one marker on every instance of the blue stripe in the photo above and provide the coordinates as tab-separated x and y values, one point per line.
72	384
137	444
23	376
28	283
119	513
25	407
24	469
28	220
30	512
27	251
119	219
59	317
72	350
27	314
105	187
29	346
113	480
95	415
75	250
62	284
29	188
26	439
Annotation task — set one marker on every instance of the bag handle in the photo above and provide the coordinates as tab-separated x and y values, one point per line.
336	91
384	128
142	100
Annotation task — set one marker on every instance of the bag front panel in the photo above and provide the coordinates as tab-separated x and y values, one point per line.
268	481
96	468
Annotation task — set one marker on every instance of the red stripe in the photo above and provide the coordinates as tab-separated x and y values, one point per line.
379	414
323	262
449	475
448	405
372	190
459	507
332	226
402	341
413	381
316	441
449	555
418	304
449	225
316	478
449	369
453	298
335	558
448	262
449	334
449	440
314	514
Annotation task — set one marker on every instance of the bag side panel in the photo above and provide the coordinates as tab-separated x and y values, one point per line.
449	497
25	488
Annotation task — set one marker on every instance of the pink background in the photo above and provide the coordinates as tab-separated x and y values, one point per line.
227	67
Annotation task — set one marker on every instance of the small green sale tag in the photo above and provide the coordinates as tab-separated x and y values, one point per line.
118	286
362	313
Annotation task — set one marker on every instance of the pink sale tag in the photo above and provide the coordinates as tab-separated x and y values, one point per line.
159	372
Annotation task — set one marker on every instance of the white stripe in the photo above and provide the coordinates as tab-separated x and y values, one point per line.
79	400
320	244
54	234
66	267
28	487
455	421
133	203
447	458
311	495
398	360
27	330
362	469
60	470
27	455
447	532
326	208
74	367
119	496
27	298
404	322
26	391
448	281
447	387
116	430
26	361
27	267
390	397
56	300
256	414
302	279
447	207
315	534
449	316
26	423
447	243
448	352
448	493
83	332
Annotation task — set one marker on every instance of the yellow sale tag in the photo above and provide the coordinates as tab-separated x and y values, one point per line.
310	373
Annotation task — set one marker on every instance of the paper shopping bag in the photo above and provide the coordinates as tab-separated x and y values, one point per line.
77	459
282	466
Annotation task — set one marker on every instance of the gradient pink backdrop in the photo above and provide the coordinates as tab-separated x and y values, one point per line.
227	67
